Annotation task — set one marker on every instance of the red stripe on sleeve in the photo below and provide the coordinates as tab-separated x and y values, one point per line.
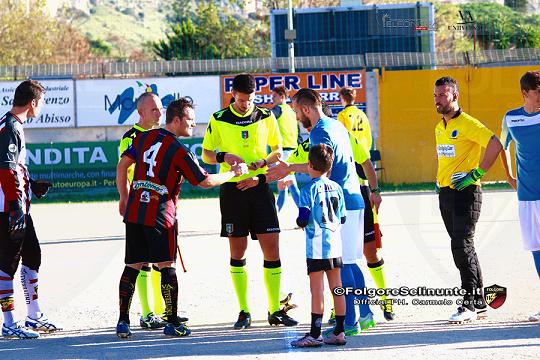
8	182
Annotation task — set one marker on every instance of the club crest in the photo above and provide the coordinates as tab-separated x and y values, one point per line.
495	295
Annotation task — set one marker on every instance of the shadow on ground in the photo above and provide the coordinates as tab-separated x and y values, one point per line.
219	339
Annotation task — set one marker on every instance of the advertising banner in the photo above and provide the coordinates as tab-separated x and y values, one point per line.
113	102
326	83
58	109
85	171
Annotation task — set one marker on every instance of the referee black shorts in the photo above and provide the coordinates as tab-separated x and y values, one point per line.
150	244
13	250
250	211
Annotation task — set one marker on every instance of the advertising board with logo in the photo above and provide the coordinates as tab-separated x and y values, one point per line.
86	171
113	102
326	83
59	105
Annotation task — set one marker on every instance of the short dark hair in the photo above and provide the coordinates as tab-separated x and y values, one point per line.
307	97
348	94
144	96
321	157
530	80
27	91
281	91
178	108
244	83
326	109
448	81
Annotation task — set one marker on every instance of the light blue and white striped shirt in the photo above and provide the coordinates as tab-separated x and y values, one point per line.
524	129
325	201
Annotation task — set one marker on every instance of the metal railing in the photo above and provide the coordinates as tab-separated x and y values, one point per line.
189	67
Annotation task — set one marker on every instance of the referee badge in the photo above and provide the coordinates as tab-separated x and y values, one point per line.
495	295
229	228
245	134
454	134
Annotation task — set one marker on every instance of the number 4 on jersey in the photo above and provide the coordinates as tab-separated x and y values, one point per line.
149	157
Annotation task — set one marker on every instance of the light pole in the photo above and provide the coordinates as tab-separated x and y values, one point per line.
290	35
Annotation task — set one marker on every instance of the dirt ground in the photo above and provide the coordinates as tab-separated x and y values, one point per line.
83	248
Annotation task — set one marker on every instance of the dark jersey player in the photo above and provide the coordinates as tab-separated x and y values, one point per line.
18	240
148	283
149	211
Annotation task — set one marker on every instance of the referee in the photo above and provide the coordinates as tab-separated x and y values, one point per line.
241	133
459	138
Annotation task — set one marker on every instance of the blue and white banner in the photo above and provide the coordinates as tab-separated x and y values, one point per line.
113	102
58	110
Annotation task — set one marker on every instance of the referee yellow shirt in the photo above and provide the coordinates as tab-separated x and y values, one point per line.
356	121
127	140
247	136
288	126
459	145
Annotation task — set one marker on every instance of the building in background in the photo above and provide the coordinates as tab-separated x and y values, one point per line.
356	30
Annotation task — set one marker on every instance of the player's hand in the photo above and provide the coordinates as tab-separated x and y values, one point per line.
258	164
239	169
461	180
40	187
17	221
277	172
232	159
247	183
512	182
282	185
375	199
122	205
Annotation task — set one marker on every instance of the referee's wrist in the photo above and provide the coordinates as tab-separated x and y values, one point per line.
376	190
262	179
220	157
265	161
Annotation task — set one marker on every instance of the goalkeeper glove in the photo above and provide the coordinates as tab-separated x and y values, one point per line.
40	187
17	220
461	180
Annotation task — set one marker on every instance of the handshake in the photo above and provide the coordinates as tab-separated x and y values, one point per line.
239	169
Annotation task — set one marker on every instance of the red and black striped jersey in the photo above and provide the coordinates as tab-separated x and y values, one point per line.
14	177
161	163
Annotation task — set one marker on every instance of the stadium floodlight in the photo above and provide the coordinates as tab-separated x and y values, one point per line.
290	35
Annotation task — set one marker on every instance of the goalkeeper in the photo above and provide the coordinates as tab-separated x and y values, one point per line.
459	139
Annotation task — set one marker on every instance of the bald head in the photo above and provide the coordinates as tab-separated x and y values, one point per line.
143	98
150	110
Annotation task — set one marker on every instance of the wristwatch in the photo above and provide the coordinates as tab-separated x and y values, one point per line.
376	190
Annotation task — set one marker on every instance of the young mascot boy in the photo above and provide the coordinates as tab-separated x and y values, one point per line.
322	211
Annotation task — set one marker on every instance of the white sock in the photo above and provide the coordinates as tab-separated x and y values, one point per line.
6	298
29	280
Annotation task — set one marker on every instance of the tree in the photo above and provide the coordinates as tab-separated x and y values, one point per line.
518	5
30	36
100	47
502	27
451	41
213	33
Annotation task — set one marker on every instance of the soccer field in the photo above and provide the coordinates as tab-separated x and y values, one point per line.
83	248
